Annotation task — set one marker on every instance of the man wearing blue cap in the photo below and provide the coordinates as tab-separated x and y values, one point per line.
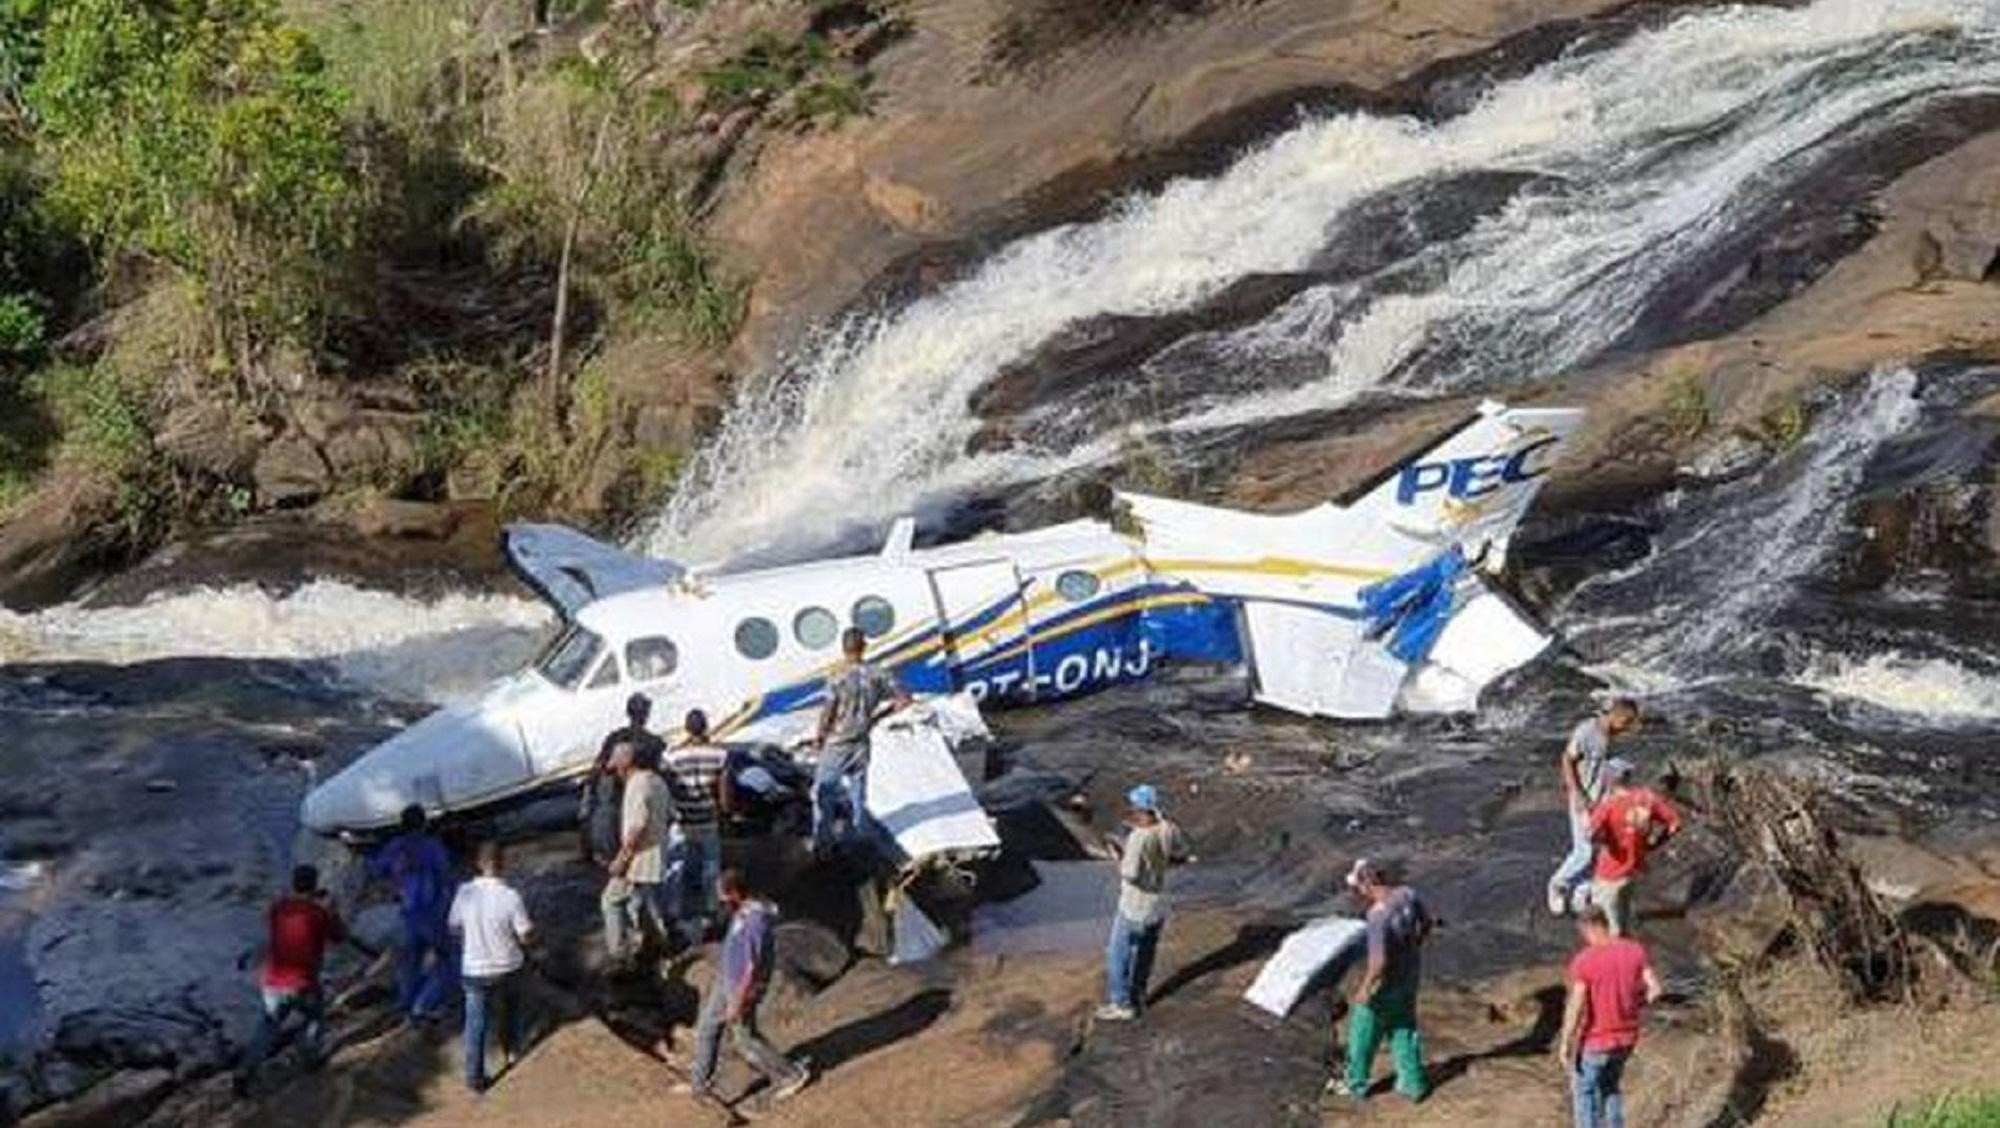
1151	849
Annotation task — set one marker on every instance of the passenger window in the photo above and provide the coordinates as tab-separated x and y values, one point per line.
874	615
756	638
650	659
1076	585
815	628
607	673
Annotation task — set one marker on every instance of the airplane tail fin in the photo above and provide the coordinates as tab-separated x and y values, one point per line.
1473	486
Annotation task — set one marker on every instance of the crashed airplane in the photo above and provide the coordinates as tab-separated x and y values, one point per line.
1344	610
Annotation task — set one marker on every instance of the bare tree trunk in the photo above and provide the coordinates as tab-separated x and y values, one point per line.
557	407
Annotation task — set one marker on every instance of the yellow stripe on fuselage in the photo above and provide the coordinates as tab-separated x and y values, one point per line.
1287	566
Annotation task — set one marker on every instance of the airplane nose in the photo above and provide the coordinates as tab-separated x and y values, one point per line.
449	759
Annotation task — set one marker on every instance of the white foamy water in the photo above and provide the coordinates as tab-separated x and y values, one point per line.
1659	147
1709	586
426	649
1928	690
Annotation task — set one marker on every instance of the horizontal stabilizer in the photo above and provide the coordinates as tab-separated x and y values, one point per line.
571	570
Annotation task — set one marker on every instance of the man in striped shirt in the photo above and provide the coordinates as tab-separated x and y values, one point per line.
700	789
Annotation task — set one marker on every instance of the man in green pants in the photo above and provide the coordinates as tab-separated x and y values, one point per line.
1384	1003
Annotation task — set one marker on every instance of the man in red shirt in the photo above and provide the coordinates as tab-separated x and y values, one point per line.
301	925
1610	983
1630	822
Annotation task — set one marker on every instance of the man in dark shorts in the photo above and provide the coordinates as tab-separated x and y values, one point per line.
1611	982
1383	1004
855	694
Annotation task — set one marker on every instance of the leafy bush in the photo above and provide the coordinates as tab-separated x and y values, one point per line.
21	327
206	134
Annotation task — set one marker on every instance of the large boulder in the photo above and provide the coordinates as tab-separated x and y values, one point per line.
53	537
291	472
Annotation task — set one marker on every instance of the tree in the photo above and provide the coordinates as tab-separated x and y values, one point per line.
204	134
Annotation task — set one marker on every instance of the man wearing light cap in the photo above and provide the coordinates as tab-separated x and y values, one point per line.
1152	848
1630	823
1383	1005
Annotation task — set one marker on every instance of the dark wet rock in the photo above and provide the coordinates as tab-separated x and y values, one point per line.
30	839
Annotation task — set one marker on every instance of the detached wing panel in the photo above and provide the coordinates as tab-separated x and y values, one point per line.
1312	661
571	570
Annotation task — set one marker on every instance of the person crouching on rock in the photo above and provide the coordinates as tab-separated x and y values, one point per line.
420	867
301	926
1582	768
1153	847
493	928
1384	1003
1610	982
732	1000
1630	823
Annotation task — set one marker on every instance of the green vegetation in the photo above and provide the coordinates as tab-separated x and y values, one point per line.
1785	425
1966	1110
802	83
1687	407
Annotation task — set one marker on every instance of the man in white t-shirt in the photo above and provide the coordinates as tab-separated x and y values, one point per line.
493	928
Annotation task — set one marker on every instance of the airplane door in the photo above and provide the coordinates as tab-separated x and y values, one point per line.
984	624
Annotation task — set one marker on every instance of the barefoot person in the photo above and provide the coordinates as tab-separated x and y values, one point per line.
493	928
1610	983
1153	847
1629	824
1582	768
732	1000
1383	1005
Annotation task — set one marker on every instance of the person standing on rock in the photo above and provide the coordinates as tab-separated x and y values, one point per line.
1582	769
599	811
420	867
1383	1005
855	695
493	926
1629	824
1611	982
701	800
302	925
1153	847
636	891
748	952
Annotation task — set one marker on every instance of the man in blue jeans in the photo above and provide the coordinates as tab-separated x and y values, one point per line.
1582	768
855	696
493	929
420	867
700	789
1611	982
1152	848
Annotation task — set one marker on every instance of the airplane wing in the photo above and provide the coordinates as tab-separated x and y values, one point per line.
570	569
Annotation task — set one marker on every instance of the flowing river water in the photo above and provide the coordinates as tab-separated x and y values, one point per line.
1589	206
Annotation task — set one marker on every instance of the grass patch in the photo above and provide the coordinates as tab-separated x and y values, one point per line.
1955	1110
1785	425
390	54
1687	407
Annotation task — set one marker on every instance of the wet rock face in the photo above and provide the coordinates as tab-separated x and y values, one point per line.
1927	517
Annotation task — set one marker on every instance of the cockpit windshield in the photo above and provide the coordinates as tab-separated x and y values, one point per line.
570	656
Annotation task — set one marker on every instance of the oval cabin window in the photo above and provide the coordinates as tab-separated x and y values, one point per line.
1076	585
756	639
815	628
874	615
